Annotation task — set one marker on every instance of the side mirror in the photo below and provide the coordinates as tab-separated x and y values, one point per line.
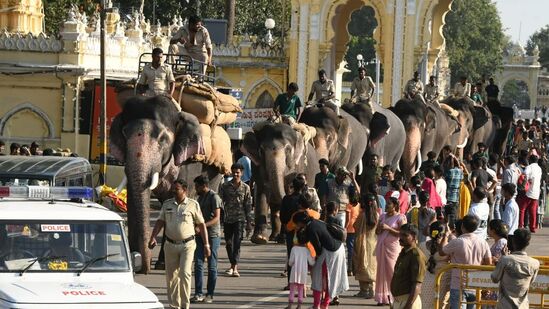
136	261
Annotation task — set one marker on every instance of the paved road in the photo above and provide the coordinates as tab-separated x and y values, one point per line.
260	284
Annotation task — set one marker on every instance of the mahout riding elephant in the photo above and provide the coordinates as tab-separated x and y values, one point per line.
278	153
428	128
505	115
385	132
155	141
341	140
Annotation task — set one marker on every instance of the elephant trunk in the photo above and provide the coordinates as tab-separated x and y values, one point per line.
275	170
411	148
142	171
139	196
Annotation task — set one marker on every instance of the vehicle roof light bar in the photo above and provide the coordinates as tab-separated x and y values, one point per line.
46	193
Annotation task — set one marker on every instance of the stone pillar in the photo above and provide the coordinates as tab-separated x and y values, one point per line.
398	48
302	48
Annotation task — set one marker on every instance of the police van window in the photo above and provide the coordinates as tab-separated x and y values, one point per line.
76	182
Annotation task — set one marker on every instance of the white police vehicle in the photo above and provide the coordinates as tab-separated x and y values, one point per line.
59	250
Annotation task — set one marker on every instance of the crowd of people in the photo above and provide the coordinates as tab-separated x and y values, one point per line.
34	149
399	233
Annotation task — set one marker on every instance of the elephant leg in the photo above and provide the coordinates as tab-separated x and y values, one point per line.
276	232
261	210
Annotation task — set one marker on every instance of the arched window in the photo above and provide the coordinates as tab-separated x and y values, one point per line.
265	100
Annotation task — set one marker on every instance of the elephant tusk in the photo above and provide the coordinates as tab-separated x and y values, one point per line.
418	160
464	143
122	184
359	167
154	181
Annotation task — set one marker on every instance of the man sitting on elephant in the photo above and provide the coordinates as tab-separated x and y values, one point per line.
431	91
288	104
362	88
339	190
157	78
414	88
323	90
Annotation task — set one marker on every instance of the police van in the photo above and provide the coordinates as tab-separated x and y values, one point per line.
59	250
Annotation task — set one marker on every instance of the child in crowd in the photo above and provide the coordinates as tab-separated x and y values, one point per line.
331	214
351	213
300	259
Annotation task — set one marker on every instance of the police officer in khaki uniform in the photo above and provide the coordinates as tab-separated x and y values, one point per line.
323	90
362	88
157	78
181	218
414	88
195	42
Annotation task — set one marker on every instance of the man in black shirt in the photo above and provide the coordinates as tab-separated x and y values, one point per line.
492	90
480	177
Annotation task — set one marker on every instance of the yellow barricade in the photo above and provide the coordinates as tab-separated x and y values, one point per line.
477	279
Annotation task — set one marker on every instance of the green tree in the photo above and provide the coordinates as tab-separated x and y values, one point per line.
55	12
515	92
541	39
361	30
474	39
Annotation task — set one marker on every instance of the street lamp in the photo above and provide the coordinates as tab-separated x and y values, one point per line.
360	60
269	24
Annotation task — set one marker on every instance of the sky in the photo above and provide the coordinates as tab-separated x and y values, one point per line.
521	18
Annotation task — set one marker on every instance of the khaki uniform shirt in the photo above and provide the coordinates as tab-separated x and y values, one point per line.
180	219
362	87
157	80
413	87
323	90
199	45
409	270
431	92
515	273
461	91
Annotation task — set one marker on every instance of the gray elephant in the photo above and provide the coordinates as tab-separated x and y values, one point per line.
428	128
278	153
384	133
154	140
340	140
478	120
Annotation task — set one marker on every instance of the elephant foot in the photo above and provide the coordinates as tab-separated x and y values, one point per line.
258	239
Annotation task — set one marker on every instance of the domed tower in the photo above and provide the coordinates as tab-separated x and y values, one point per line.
22	16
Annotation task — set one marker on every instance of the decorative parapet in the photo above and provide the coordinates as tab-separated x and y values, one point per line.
29	42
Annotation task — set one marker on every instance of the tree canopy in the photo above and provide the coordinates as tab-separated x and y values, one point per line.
250	14
474	39
541	39
361	29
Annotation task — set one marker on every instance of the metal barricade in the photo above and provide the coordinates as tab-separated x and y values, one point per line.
477	279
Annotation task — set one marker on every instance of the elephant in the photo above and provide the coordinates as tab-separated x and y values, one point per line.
385	132
278	153
479	122
428	128
341	140
505	115
155	141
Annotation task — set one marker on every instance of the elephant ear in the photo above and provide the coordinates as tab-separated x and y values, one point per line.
117	141
343	132
480	117
430	119
187	141
379	127
250	148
